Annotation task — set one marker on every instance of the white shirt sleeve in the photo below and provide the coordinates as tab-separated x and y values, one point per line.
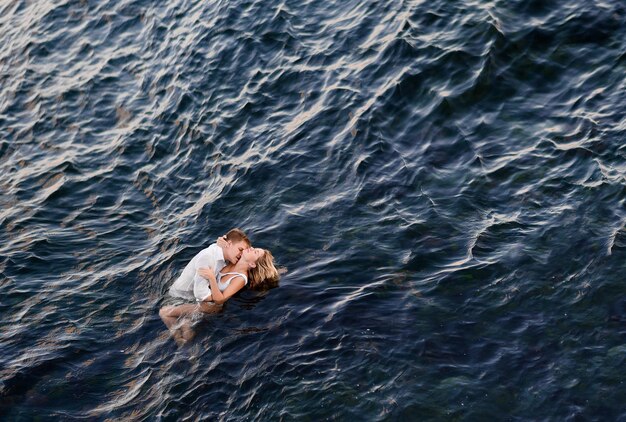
201	288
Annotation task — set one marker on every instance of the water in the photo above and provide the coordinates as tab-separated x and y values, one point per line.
442	183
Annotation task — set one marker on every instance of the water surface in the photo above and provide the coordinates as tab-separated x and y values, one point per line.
443	183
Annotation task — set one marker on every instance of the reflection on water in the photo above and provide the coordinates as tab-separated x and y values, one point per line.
443	180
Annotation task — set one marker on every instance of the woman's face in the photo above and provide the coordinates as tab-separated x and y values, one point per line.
252	255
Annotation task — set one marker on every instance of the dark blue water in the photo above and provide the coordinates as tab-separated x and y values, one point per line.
442	183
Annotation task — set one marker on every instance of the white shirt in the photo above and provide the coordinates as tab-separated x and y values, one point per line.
190	285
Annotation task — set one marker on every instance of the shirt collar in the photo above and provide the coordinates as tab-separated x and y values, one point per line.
220	254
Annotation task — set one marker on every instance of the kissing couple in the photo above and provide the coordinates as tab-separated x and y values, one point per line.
215	274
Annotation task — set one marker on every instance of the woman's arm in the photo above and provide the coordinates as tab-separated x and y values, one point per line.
217	296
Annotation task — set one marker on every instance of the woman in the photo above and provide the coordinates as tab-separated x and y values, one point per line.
255	264
256	267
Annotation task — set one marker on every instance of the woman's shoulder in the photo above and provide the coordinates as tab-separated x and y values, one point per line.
233	273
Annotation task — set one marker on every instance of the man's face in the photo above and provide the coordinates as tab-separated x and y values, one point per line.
233	252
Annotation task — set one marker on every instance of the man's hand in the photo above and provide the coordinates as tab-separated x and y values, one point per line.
222	242
207	273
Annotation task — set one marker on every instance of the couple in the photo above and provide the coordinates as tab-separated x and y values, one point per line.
215	274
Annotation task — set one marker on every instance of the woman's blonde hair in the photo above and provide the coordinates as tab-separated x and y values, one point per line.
265	272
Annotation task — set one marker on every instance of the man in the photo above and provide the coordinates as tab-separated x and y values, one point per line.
190	286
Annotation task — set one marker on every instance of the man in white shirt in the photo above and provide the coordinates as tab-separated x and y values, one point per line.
190	285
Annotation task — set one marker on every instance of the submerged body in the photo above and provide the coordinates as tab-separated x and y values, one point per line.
205	290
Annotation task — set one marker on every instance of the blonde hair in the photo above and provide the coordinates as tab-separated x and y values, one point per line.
265	272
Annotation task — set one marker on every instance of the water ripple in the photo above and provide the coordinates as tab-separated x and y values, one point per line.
441	183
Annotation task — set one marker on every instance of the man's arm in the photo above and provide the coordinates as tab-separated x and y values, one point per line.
201	289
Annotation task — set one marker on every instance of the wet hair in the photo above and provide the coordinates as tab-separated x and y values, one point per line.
237	235
265	274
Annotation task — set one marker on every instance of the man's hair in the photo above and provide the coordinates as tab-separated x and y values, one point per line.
237	235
